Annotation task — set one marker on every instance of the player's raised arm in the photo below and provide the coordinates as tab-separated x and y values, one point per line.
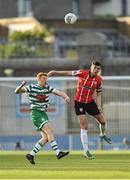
59	73
20	88
64	73
62	94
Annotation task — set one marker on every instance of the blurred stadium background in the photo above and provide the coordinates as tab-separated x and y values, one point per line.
35	38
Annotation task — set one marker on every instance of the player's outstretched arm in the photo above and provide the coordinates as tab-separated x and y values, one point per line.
20	88
59	73
62	94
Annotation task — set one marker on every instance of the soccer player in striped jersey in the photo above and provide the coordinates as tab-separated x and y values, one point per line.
89	83
39	101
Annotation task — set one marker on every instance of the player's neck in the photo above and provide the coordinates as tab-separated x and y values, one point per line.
41	84
91	75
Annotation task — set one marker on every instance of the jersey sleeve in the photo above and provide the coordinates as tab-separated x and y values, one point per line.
28	88
78	73
51	89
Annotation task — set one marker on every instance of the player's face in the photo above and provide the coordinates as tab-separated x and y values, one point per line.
42	80
95	70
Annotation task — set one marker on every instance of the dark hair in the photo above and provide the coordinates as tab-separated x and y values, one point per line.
96	63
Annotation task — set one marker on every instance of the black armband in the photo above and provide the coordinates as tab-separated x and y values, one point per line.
99	90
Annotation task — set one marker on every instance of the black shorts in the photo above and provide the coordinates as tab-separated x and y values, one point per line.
82	108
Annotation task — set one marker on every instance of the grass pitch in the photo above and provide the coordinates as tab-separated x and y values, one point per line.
106	165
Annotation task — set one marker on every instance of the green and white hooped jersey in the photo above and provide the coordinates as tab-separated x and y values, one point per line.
39	96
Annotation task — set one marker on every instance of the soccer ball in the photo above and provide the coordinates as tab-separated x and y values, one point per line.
70	18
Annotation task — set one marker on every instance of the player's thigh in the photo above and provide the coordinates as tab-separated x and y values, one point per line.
100	118
47	128
83	121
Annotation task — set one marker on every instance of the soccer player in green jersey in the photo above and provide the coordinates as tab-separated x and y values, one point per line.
39	101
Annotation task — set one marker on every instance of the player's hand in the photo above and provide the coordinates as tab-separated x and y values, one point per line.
67	99
100	110
24	83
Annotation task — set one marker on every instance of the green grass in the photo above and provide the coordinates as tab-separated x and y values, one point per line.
106	165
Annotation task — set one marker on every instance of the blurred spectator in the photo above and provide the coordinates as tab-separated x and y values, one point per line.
126	142
18	146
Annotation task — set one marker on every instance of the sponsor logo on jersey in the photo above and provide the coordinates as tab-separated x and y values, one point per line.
87	87
41	97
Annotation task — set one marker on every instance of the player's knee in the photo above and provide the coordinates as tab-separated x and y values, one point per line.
84	125
103	123
44	140
101	120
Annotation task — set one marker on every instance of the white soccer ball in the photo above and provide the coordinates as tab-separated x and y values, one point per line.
70	18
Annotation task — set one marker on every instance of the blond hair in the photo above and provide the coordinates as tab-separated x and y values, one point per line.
41	74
